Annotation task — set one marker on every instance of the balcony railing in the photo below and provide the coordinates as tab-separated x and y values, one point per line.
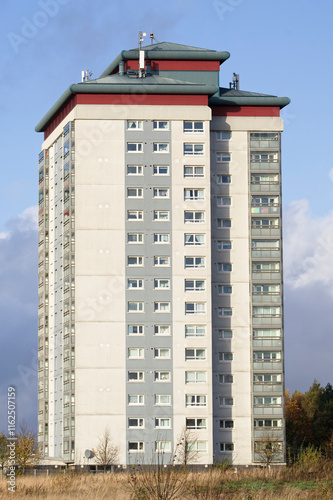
266	275
267	365
268	410
273	297
277	342
265	319
265	252
265	230
268	187
276	387
265	209
262	165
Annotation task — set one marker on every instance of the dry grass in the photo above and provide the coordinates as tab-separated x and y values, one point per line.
286	484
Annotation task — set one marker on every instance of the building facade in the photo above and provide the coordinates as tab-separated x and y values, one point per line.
160	265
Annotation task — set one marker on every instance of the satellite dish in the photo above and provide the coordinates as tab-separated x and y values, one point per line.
89	454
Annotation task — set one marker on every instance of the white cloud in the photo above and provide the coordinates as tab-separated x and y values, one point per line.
308	247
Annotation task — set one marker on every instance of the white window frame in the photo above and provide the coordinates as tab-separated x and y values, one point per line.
158	350
194	172
158	329
226	401
196	330
195	263
198	426
224	447
194	219
158	281
193	149
158	305
220	133
139	283
192	194
222	290
163	447
196	375
138	125
138	147
138	310
193	285
158	125
193	128
221	265
198	308
196	400
139	215
157	215
223	157
224	223
138	426
196	242
161	147
141	447
139	169
138	327
140	399
157	399
224	380
196	446
225	334
223	179
157	193
224	312
140	376
160	374
223	422
156	170
140	261
157	424
221	199
159	237
195	356
162	261
139	192
135	353
139	238
221	244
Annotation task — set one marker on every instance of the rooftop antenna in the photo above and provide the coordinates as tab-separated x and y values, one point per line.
235	82
141	54
85	75
153	39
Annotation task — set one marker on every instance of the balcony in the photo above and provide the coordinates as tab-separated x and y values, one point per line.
266	275
266	253
271	297
268	410
261	165
267	320
265	186
267	365
267	342
265	230
277	387
265	209
275	432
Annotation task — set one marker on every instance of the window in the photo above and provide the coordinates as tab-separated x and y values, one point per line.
135	329
193	171
163	446
135	307
161	239
134	170
162	307
195	217
195	307
134	192
223	135
196	446
162	423
135	283
194	194
162	329
266	311
134	238
134	147
194	239
193	149
161	215
267	400
227	447
264	179
195	285
264	139
162	376
134	215
226	424
160	125
136	352
195	377
136	399
196	423
135	446
223	157
135	260
224	312
136	376
226	401
224	289
259	378
161	260
193	127
225	334
161	193
195	400
267	355
161	284
195	262
136	423
223	201
134	125
161	147
161	170
223	179
223	223
195	330
224	267
267	332
268	423
226	379
196	354
226	356
224	245
162	353
162	399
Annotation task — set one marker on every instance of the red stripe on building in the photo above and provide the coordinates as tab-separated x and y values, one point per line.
245	110
177	65
125	99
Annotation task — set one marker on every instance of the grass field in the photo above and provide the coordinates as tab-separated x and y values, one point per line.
287	483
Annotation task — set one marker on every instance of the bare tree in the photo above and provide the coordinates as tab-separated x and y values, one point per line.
186	451
106	453
268	449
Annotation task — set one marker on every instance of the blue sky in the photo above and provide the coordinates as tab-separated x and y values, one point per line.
282	48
